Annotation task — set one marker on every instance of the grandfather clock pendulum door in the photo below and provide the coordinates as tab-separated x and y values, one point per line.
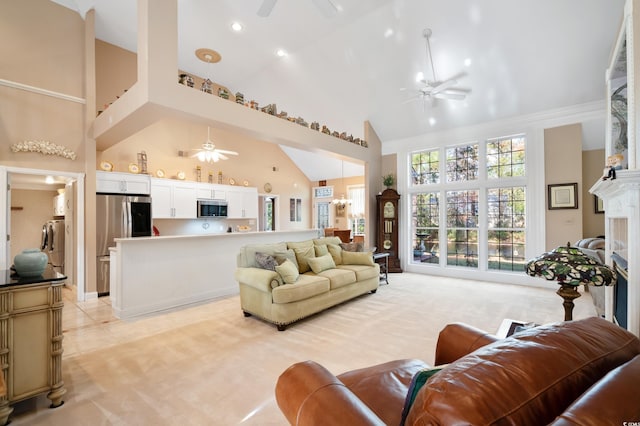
387	235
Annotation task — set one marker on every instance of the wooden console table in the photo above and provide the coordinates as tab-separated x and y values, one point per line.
31	338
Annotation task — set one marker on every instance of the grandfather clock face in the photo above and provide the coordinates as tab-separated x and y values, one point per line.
389	211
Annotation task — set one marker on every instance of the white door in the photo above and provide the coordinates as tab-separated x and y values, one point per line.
323	214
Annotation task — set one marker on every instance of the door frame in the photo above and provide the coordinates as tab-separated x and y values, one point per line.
5	225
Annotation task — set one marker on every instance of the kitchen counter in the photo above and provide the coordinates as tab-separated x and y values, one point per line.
150	274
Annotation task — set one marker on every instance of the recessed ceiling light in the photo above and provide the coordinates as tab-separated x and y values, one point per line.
49	180
467	62
388	33
432	121
281	53
419	77
236	26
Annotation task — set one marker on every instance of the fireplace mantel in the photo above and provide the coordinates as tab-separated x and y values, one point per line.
621	199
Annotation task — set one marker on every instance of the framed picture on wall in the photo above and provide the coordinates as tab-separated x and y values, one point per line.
563	196
598	205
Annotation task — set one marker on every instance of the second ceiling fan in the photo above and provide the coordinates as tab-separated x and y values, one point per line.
327	8
437	89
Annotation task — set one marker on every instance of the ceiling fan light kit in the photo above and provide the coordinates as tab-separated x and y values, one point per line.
436	89
209	153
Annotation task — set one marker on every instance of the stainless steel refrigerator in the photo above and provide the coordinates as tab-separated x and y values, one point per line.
53	243
118	216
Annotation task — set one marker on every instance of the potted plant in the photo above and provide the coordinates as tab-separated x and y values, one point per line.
388	180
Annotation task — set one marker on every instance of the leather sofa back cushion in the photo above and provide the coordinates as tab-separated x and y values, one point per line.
528	378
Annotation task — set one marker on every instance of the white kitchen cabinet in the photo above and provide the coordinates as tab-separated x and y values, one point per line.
243	202
172	199
122	183
209	191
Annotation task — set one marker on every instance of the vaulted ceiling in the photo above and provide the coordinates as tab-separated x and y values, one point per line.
520	57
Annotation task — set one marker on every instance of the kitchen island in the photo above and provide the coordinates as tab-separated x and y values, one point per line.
151	274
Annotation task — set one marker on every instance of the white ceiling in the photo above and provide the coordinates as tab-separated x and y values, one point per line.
526	56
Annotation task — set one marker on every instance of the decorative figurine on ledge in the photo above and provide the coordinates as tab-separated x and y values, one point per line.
315	125
239	98
614	162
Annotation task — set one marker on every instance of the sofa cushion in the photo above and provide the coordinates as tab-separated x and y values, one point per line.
327	240
532	376
281	256
322	263
306	287
363	272
338	277
266	261
383	387
336	252
357	258
247	258
288	272
352	246
321	250
302	254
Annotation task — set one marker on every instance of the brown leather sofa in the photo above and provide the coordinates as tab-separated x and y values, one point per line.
582	372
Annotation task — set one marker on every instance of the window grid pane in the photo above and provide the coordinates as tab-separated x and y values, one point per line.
505	157
462	233
425	222
425	167
506	224
462	163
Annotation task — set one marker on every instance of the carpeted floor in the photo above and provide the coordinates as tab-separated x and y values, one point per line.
208	364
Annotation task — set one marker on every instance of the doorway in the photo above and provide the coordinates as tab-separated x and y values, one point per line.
323	214
34	195
267	209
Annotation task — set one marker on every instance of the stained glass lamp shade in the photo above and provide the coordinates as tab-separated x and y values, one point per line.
570	267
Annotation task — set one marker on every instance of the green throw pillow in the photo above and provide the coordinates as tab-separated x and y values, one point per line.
357	258
321	250
322	263
281	256
288	272
302	254
336	252
418	381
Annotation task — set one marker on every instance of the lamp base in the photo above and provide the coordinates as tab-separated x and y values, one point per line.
568	293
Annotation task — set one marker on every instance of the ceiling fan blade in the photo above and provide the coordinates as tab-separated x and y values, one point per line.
452	96
411	99
327	8
444	85
266	8
222	156
224	151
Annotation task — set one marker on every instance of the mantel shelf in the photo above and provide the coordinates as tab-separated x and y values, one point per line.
625	180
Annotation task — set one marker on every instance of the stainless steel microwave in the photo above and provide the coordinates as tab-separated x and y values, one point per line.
212	208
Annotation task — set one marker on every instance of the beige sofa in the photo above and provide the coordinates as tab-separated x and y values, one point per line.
285	282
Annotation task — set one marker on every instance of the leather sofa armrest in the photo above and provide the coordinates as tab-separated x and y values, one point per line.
260	279
308	395
457	340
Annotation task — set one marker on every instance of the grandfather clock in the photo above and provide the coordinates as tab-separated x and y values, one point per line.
387	235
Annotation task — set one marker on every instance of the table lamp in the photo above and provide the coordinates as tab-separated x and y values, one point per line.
570	267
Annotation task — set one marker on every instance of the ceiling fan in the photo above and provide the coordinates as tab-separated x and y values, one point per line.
437	89
210	154
327	8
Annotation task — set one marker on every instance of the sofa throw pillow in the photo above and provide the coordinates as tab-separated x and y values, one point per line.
336	252
322	263
357	258
321	250
351	246
281	256
327	240
302	254
288	272
266	261
417	382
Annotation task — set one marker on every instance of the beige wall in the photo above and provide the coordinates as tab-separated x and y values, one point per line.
592	170
41	45
389	166
116	71
562	156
